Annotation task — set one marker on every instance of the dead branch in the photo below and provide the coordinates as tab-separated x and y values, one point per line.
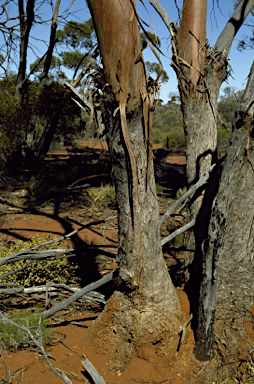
92	372
190	192
184	228
11	288
77	295
178	232
83	101
91	63
33	255
163	14
38	345
87	106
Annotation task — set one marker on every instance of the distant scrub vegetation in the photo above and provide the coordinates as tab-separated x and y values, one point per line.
168	121
48	116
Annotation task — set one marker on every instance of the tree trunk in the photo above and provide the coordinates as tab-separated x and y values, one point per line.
229	251
147	304
25	27
52	41
199	98
199	108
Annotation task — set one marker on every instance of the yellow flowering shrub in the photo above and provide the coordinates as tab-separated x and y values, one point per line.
40	271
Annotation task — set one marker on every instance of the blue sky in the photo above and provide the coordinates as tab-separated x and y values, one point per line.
216	20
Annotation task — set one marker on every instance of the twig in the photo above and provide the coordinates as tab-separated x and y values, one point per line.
92	372
39	345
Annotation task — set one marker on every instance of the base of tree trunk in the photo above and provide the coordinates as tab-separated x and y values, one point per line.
122	329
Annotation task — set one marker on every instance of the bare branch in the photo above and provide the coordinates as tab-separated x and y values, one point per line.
226	37
184	228
163	14
93	372
90	63
33	255
77	295
249	93
178	232
51	41
83	101
190	192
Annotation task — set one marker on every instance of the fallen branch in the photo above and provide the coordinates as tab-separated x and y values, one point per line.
92	372
190	192
33	255
178	232
54	288
38	345
77	295
185	327
183	229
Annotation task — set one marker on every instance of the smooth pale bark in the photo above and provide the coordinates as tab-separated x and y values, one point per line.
192	36
230	248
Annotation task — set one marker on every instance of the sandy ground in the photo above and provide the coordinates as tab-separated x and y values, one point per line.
29	367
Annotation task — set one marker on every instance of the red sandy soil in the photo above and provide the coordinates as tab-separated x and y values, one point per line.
149	366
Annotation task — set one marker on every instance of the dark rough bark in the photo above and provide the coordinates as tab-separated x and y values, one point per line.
199	107
25	27
199	99
52	41
229	251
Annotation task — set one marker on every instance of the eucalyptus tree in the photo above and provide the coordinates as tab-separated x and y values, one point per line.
225	232
147	303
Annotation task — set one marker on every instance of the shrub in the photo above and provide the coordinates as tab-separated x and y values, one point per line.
159	190
102	197
41	271
175	138
222	135
181	192
14	337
